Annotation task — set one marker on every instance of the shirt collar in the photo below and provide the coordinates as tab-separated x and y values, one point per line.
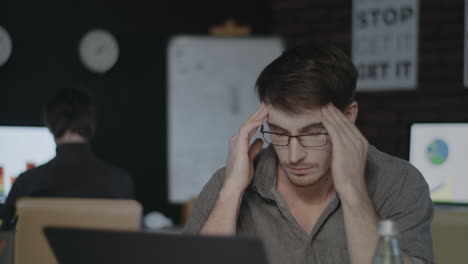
264	181
266	169
73	151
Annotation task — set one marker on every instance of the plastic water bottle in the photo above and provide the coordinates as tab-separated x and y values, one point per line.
388	251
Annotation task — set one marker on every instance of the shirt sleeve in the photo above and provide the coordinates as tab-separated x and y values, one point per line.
412	212
204	203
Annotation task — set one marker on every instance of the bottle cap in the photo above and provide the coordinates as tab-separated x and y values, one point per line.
387	228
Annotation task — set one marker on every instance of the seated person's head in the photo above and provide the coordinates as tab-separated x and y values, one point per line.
294	87
71	116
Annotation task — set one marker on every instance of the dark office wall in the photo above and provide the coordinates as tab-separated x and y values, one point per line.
131	97
385	116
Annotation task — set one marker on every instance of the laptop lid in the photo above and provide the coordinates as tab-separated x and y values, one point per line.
77	246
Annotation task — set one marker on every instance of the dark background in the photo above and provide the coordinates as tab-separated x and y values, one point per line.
385	117
131	97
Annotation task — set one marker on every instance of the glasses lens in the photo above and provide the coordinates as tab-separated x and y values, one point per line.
275	139
313	140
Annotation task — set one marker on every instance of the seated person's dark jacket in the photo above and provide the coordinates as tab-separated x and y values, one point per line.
74	172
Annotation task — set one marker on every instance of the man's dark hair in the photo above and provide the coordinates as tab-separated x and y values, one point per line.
308	76
71	109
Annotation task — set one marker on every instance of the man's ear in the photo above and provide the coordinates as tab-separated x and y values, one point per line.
351	111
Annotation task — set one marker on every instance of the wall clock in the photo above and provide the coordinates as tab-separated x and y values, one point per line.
98	50
5	46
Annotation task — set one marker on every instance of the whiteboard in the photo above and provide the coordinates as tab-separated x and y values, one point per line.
210	94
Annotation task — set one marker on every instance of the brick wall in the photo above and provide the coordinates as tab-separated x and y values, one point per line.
385	117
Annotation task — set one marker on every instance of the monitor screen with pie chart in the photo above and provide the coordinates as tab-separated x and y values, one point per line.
440	152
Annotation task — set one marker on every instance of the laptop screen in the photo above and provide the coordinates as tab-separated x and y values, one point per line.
440	152
22	148
93	246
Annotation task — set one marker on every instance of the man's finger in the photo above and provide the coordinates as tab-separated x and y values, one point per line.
258	120
346	122
353	131
261	116
260	112
333	128
253	131
345	127
246	133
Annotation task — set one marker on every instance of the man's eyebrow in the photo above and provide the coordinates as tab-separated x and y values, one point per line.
305	128
271	125
313	125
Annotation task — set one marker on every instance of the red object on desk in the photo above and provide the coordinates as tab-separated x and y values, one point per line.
30	165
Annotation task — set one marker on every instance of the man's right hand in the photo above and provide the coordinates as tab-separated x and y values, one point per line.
239	167
238	175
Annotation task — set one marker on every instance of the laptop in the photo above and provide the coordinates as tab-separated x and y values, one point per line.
92	246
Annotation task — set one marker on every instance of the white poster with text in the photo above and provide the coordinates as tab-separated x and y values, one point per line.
385	44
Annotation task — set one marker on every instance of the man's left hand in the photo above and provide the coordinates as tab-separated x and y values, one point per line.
349	151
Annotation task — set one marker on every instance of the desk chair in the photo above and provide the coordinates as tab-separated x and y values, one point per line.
450	235
31	246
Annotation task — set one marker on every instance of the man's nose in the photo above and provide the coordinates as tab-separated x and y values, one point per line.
296	151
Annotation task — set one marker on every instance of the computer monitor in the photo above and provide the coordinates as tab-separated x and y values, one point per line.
440	152
22	148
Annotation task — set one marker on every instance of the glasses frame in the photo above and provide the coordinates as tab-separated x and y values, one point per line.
298	137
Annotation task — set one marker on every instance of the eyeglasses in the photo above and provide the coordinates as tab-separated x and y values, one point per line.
306	140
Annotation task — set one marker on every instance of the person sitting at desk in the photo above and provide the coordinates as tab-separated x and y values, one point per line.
75	171
316	194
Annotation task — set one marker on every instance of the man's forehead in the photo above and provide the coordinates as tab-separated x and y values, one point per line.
294	121
299	113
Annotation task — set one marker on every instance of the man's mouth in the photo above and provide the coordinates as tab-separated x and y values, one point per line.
300	171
